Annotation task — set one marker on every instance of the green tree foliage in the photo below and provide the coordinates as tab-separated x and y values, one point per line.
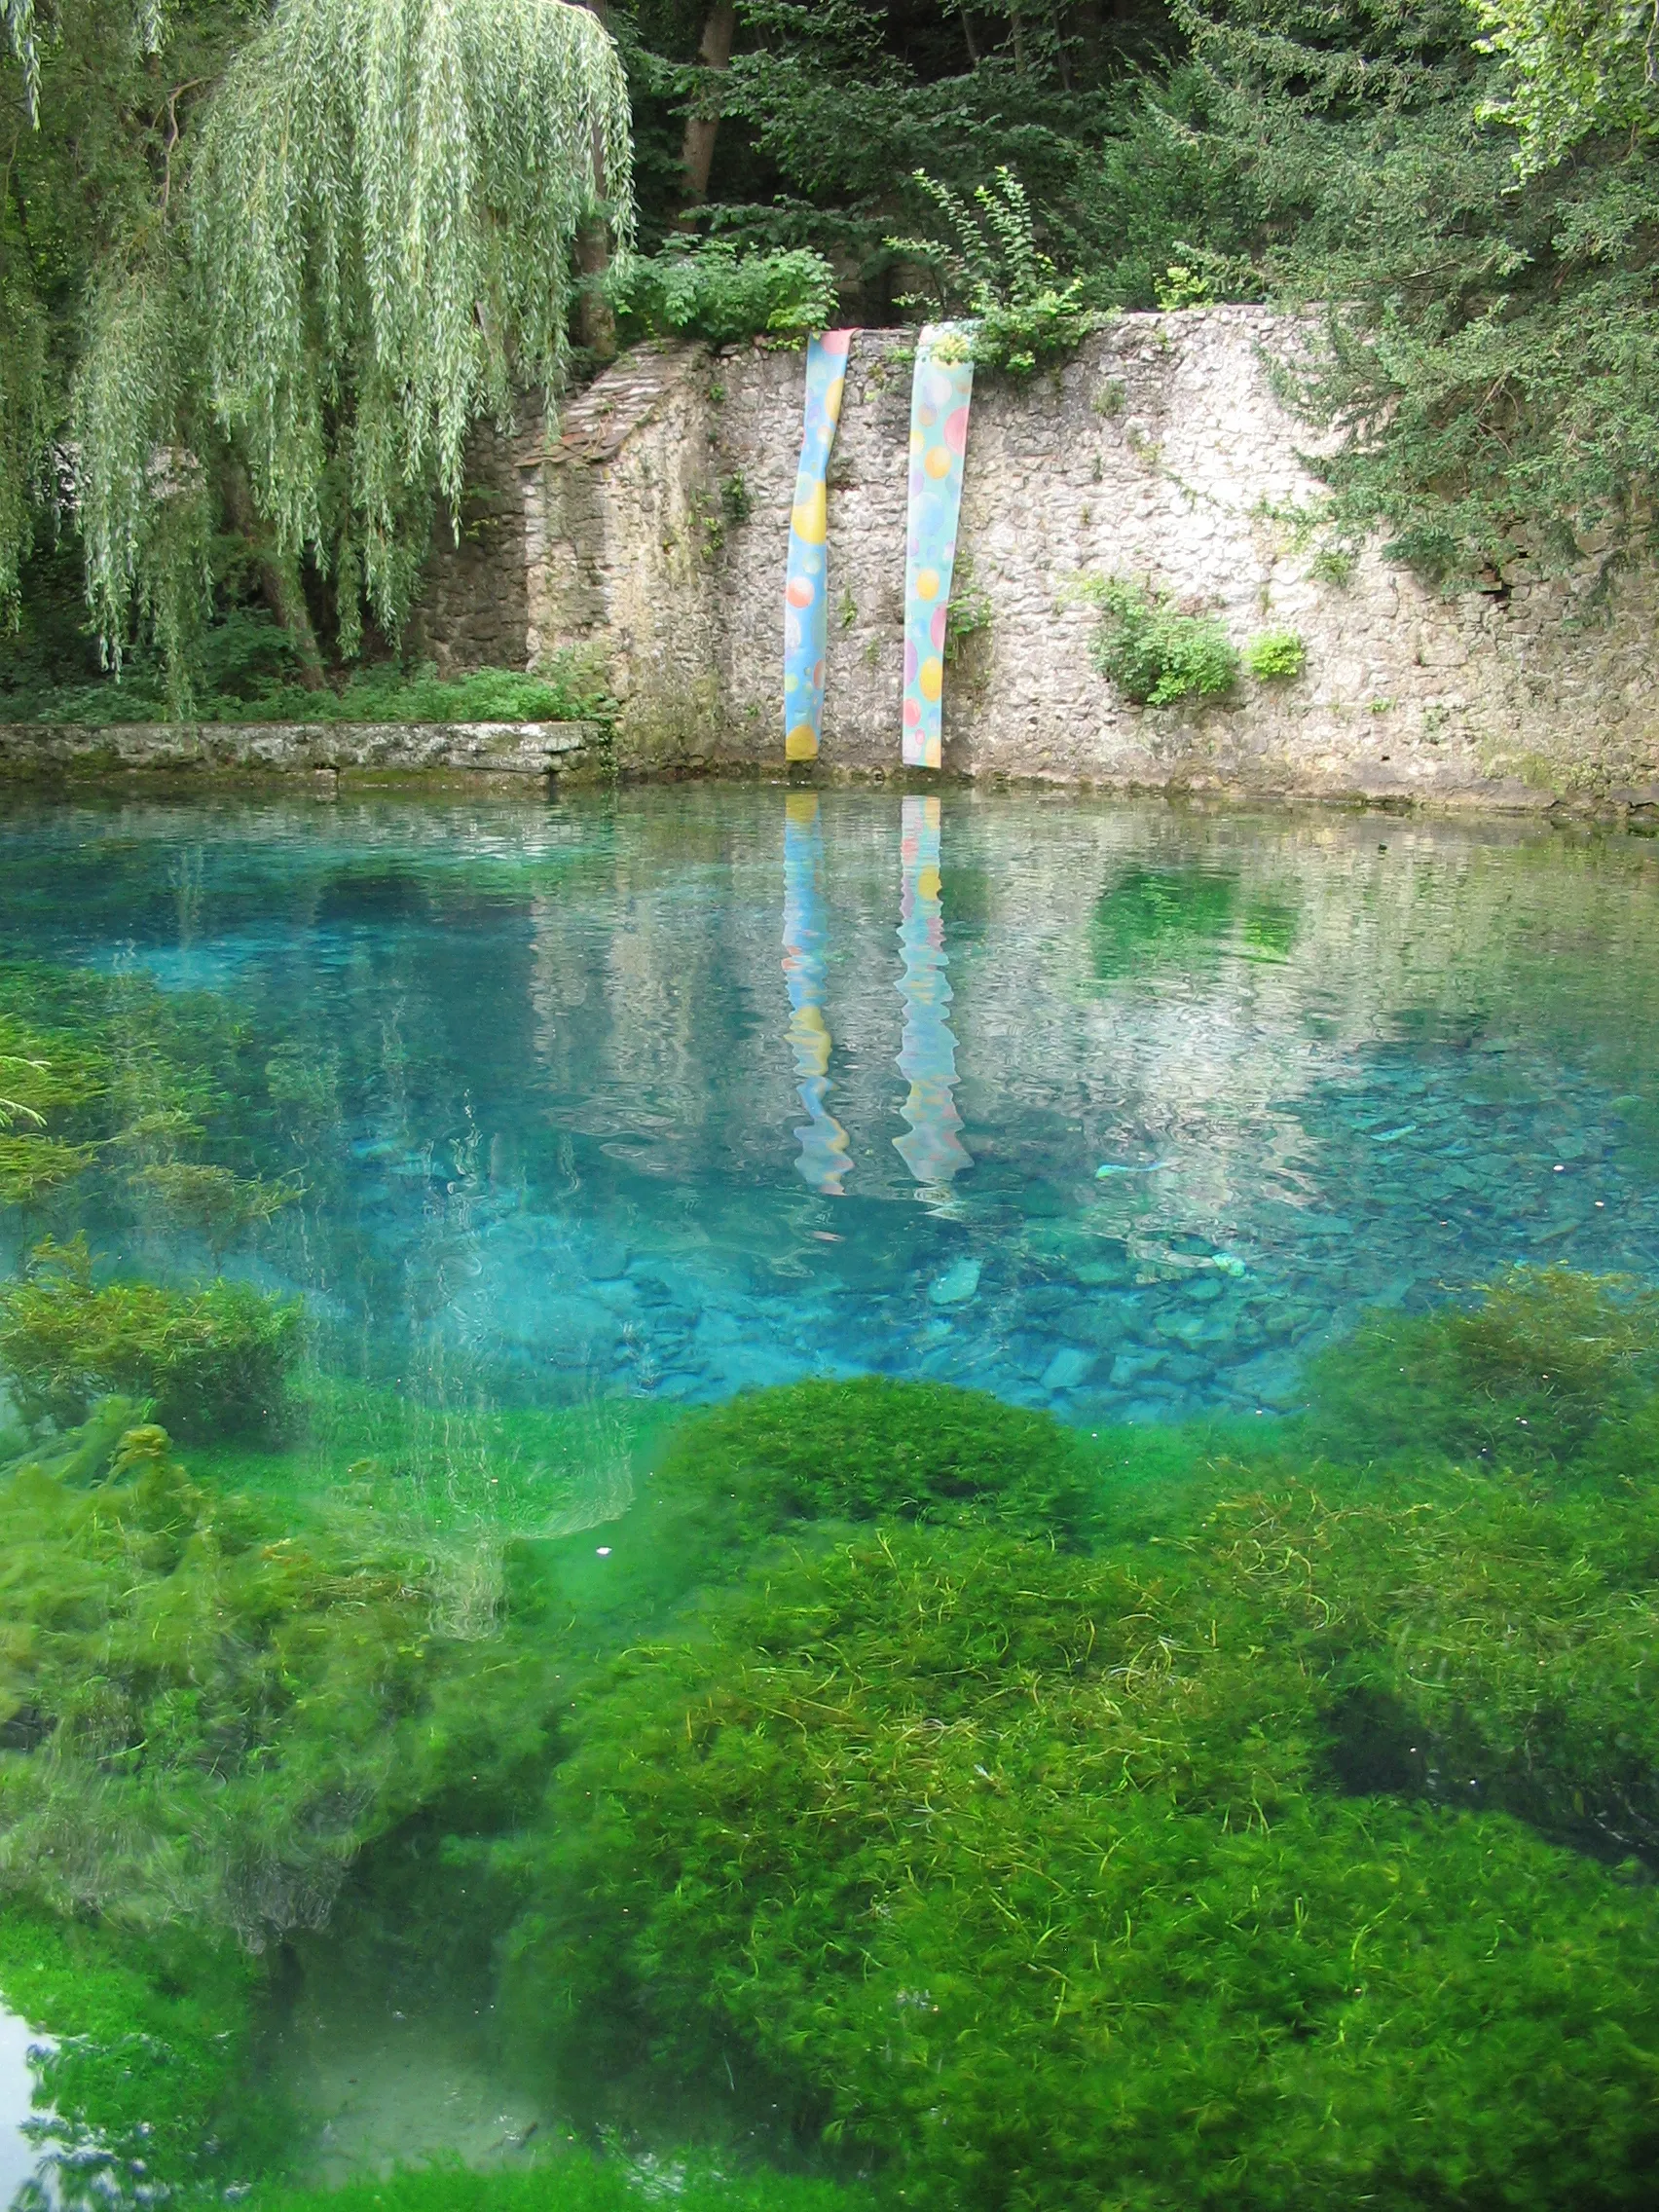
383	207
1490	362
1573	71
710	289
267	271
990	268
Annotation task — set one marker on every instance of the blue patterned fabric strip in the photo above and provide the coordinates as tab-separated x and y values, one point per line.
940	395
927	1055
805	611
825	1159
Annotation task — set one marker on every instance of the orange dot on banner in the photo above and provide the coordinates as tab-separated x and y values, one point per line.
926	583
800	591
912	713
939	461
801	743
931	683
810	518
956	429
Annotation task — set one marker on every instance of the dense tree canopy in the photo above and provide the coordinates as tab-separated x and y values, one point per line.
262	262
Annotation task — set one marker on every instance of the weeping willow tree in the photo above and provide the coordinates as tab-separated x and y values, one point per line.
375	250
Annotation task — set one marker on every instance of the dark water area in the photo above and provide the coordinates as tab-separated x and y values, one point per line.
564	1121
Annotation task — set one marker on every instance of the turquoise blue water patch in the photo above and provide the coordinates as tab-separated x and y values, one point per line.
1119	1110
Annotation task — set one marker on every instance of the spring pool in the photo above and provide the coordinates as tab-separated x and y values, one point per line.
1111	1110
564	1119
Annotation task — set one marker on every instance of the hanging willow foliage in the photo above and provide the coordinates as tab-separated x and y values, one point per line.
383	207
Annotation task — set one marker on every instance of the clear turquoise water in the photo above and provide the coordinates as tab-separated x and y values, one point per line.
636	1101
1149	1104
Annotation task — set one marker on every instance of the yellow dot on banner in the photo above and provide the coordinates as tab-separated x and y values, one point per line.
917	441
801	743
931	682
810	518
927	883
939	461
926	583
832	399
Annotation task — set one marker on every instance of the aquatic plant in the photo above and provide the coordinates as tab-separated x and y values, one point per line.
208	1707
1010	1865
213	1360
144	2069
1480	1640
575	2182
877	1448
1524	1378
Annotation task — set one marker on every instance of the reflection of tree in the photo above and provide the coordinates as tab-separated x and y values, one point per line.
932	1151
823	1160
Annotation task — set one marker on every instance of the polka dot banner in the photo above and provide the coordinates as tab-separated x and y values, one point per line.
940	395
806	586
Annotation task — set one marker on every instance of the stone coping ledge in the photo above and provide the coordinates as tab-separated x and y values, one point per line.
495	748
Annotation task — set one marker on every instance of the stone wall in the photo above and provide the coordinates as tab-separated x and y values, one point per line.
521	753
655	531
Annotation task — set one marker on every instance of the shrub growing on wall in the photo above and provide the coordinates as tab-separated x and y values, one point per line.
707	289
1156	655
1275	656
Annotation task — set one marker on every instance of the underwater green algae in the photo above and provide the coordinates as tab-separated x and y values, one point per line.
208	1710
211	1361
112	1075
1010	1865
575	2183
1029	1844
1546	1358
145	2057
873	1449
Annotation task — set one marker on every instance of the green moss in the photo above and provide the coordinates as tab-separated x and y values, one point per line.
1015	1867
151	2047
207	1710
1524	1379
873	1449
211	1360
575	2184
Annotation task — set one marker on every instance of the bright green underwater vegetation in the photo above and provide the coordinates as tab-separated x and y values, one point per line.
1022	1819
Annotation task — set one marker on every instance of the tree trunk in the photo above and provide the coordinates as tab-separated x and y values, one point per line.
702	126
279	581
596	324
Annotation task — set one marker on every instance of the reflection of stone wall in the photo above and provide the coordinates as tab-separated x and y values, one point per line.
657	530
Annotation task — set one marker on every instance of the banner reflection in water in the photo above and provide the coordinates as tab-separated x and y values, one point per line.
927	1055
824	1162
